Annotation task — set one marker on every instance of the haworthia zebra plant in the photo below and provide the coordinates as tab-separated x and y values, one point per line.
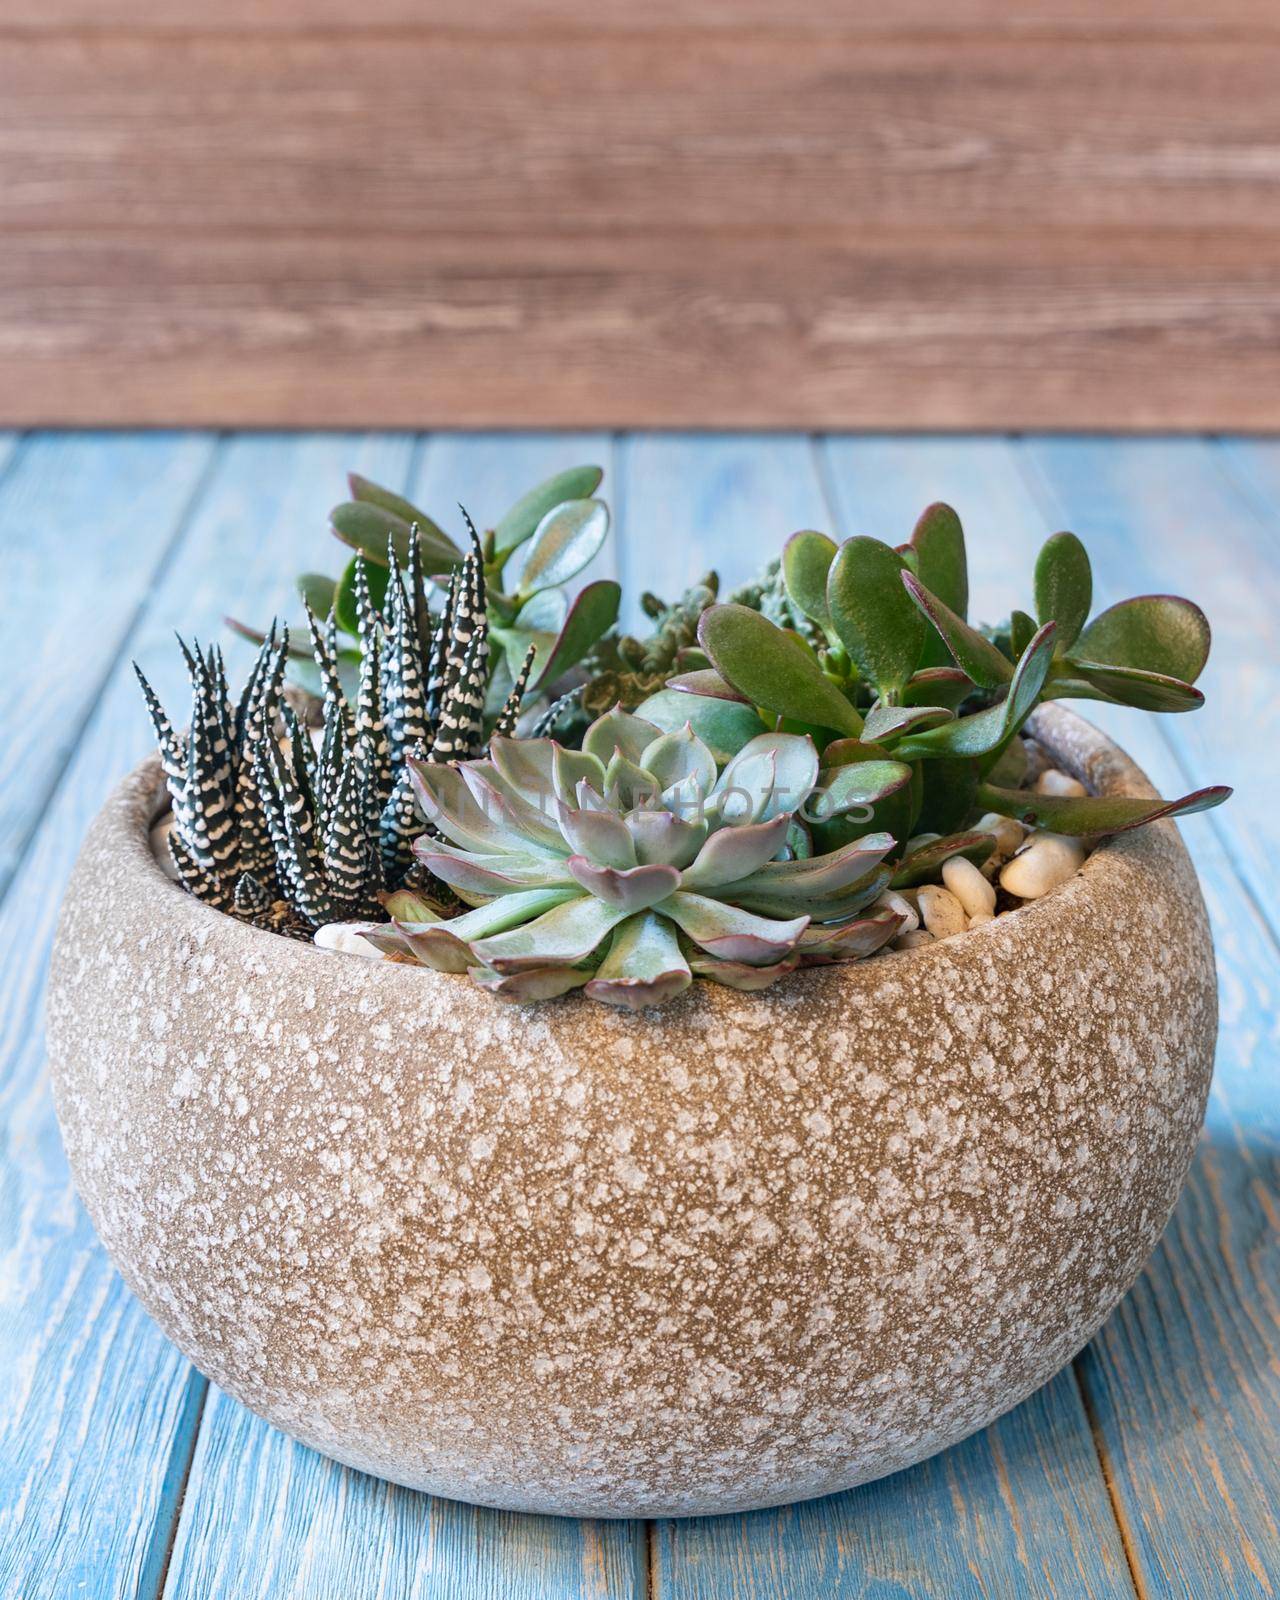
291	834
220	834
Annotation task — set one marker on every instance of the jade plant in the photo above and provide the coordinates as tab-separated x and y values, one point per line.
292	833
528	556
639	861
899	672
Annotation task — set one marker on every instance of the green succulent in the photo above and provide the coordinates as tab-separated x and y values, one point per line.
899	673
287	835
530	554
625	670
641	861
768	595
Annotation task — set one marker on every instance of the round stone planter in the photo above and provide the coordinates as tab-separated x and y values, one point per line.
742	1250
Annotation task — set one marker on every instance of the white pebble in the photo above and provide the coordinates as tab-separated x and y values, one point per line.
1049	859
1052	781
968	885
979	917
344	937
1007	832
913	940
893	900
160	832
942	912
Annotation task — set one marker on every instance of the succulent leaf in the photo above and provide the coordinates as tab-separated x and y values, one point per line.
806	561
976	656
536	983
876	620
1064	587
724	725
853	940
680	758
367	527
923	864
773	669
855	785
563	936
1130	686
644	965
518	524
619	732
735	853
988	731
707	682
1089	815
773	773
631	888
590	617
565	541
883	723
741	974
600	836
941	562
1158	633
569	768
732	934
661	837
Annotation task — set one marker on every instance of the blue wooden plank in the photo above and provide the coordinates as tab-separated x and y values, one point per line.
97	1409
695	501
1182	1383
1017	1510
85	520
274	1521
305	1527
1023	1507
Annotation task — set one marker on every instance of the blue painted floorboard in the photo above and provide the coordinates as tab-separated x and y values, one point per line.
1151	1467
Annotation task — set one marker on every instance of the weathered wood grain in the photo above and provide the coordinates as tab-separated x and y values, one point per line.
97	1409
1021	1509
846	223
696	502
1094	18
85	523
307	1529
430	132
1182	1383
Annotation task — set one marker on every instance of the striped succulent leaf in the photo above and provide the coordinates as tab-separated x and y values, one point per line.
280	832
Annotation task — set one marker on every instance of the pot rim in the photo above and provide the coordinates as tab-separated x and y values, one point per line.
1074	744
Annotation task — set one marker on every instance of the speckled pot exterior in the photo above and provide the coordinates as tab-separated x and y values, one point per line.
744	1250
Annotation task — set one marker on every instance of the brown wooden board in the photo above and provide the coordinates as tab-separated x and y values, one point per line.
265	216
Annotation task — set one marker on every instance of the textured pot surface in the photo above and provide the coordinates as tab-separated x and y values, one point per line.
743	1250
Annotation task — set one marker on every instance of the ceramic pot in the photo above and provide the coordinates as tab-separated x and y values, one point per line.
742	1250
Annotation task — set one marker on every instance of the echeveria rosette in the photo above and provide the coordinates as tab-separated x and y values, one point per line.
902	674
639	862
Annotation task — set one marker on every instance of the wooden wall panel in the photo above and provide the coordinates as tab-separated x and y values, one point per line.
268	216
